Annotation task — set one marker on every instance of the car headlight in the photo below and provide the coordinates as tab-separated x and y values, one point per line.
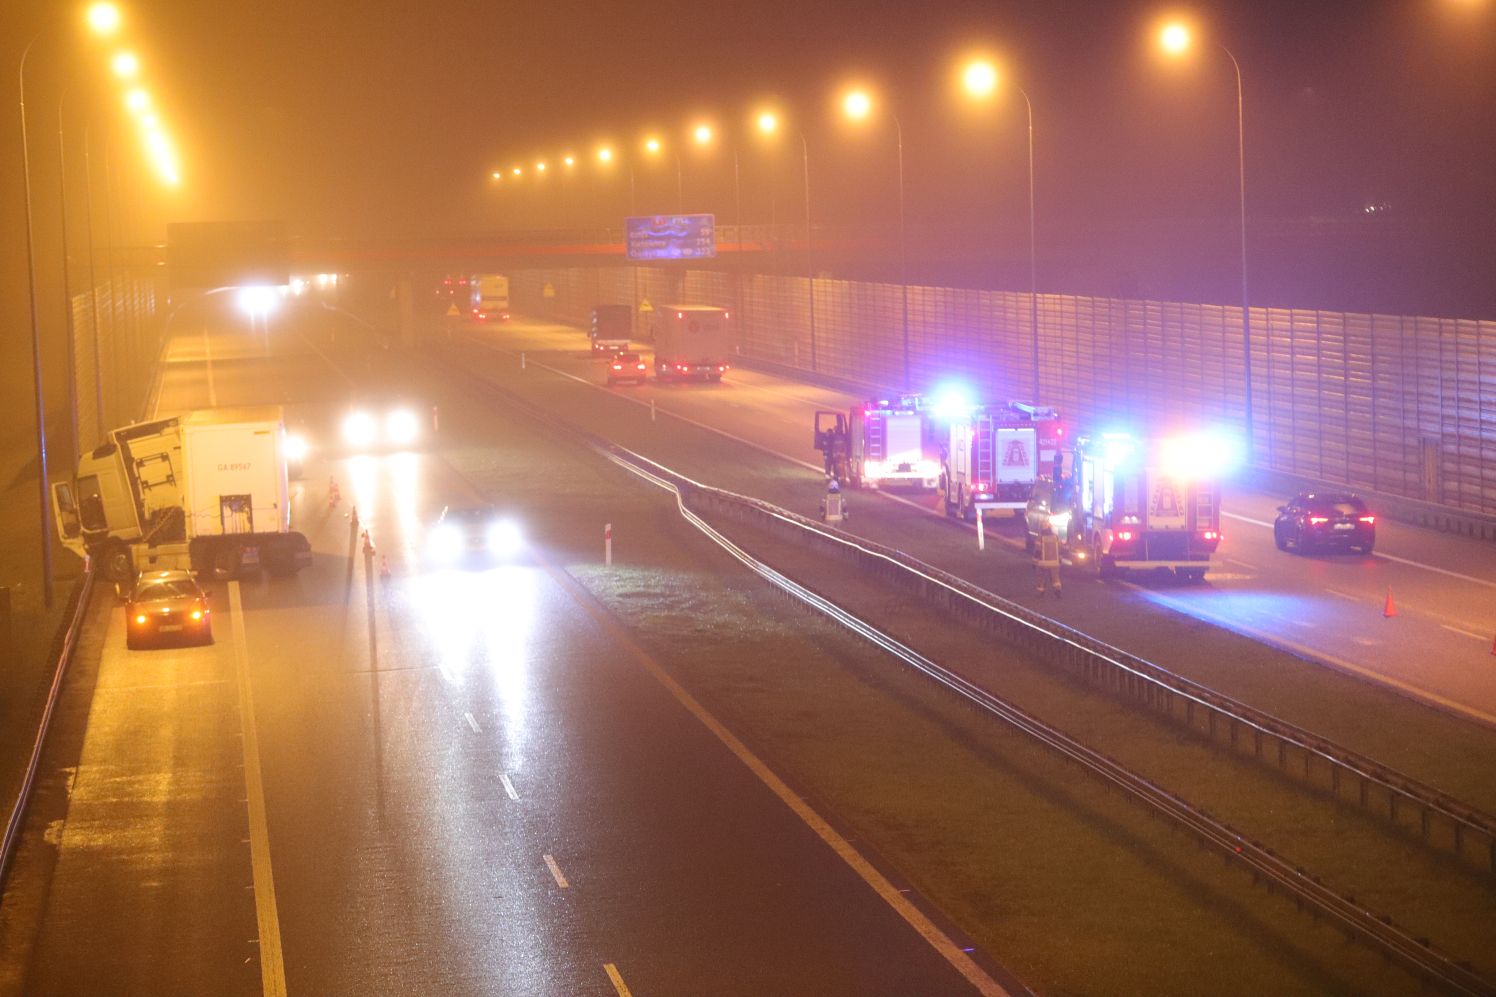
1059	520
401	427
445	543
504	538
872	468
359	429
929	468
296	448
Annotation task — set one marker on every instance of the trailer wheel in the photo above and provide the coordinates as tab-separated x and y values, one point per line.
280	560
227	559
118	564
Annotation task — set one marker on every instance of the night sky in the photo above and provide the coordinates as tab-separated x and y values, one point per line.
382	119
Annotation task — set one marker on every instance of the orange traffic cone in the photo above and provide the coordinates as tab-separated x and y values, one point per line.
1493	648
384	565
1390	609
368	544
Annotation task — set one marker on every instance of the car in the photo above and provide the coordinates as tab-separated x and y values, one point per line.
167	607
1325	521
627	367
474	534
385	427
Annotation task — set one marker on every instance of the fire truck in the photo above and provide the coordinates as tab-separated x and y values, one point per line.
995	456
879	444
1122	503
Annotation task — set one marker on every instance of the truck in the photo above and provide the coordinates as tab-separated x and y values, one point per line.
1123	503
880	443
612	329
205	492
691	342
994	456
490	296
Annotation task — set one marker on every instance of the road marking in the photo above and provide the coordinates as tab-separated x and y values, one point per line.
1467	633
936	511
912	915
1240	564
1315	654
272	963
617	980
550	863
508	786
212	388
1344	595
473	723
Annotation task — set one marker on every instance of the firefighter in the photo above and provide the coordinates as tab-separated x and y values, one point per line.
1047	559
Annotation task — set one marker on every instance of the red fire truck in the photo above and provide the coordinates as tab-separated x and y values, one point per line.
995	456
880	443
1122	503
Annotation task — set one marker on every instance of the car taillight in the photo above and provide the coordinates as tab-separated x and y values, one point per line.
1124	535
641	366
1317	520
140	618
722	366
979	486
197	614
1368	520
1211	535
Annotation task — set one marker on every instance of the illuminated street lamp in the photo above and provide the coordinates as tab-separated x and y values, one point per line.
1176	39
517	171
540	167
703	134
496	175
138	101
768	125
569	161
126	65
103	19
605	155
980	80
857	106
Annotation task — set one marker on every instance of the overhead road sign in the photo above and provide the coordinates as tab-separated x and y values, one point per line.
671	237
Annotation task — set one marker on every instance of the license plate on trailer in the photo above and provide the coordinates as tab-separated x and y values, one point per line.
251	555
1345	526
167	628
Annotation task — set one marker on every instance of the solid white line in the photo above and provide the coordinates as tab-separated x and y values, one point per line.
1466	633
618	984
1240	564
473	723
844	849
272	962
1315	654
1344	595
508	786
550	863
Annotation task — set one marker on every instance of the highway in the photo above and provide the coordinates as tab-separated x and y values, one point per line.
439	782
1327	608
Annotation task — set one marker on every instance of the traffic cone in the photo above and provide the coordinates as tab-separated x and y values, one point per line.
384	565
368	544
1390	609
1493	648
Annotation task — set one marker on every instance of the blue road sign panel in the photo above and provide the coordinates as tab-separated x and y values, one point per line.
672	237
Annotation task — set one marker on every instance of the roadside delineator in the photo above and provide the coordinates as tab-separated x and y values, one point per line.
333	495
384	566
1389	610
368	544
608	544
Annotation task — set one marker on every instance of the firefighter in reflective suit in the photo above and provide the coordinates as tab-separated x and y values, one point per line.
1047	559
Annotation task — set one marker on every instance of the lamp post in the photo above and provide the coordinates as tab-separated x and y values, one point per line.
980	78
103	19
768	124
1176	39
857	105
653	147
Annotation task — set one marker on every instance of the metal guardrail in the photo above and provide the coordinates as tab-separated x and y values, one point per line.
1413	953
82	590
1203	711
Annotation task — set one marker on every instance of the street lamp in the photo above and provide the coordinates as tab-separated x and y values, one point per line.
980	80
103	19
704	135
768	126
1176	39
857	106
126	65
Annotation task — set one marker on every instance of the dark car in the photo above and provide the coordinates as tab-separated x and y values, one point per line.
167	607
1325	521
627	367
477	534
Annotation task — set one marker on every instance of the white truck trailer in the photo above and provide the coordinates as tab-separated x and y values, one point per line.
692	341
206	491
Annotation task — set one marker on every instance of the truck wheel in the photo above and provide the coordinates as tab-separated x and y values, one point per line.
227	559
968	512
280	560
118	564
